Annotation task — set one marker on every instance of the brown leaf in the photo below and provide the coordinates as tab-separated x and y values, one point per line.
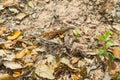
15	35
116	51
114	68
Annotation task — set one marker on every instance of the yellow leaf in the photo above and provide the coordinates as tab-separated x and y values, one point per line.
27	52
74	77
21	54
32	47
16	74
116	51
16	34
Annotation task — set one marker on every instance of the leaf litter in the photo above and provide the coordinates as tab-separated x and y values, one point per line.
58	40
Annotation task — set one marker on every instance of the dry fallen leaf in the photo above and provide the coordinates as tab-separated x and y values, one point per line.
5	77
116	51
74	60
74	77
2	30
45	72
32	47
114	68
51	62
24	45
16	34
16	74
20	16
12	65
8	3
67	62
22	53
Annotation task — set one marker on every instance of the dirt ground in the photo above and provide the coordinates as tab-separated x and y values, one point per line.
58	39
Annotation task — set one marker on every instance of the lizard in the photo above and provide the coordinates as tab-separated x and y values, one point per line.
53	34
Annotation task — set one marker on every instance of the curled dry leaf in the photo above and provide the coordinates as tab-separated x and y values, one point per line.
74	60
16	74
12	65
51	62
45	72
16	34
5	77
2	30
116	51
22	53
67	62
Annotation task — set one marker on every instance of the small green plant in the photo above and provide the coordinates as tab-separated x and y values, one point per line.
106	44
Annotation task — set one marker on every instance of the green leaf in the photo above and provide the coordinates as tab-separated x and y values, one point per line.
101	51
109	43
102	38
110	56
107	34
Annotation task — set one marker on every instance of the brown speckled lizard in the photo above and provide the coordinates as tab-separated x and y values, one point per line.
52	34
